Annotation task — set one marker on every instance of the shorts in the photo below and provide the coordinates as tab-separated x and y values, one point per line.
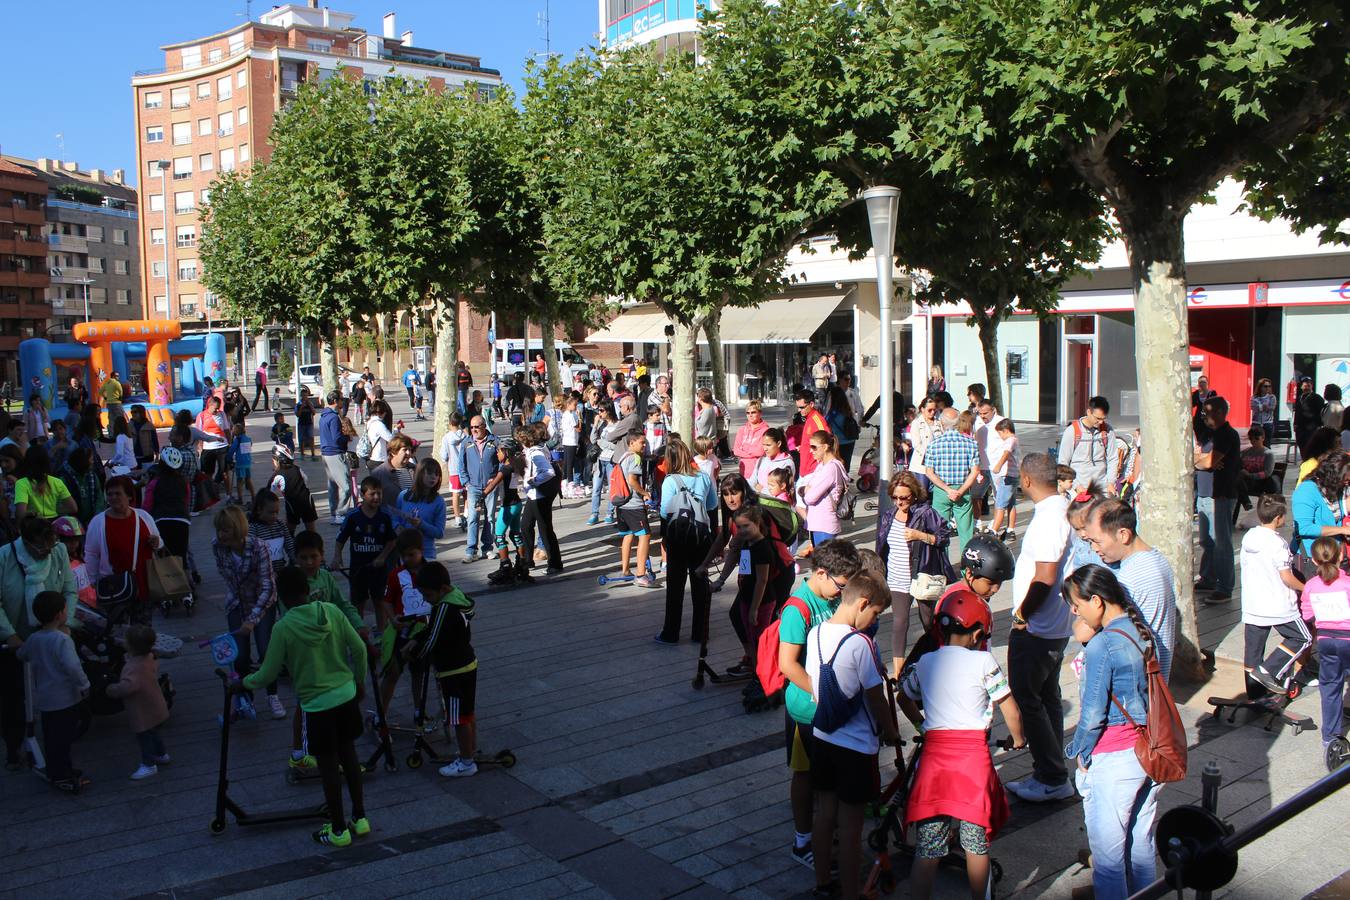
799	739
1005	491
455	484
243	471
458	690
631	520
853	776
327	730
367	582
981	486
935	837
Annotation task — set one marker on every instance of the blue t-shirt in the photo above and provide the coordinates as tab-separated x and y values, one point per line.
409	378
241	452
367	535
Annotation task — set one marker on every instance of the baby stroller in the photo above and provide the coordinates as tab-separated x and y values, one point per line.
98	641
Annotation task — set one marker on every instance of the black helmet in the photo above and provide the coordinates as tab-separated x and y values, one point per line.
985	556
509	446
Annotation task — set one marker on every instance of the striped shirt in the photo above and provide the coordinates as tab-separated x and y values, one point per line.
898	576
1147	578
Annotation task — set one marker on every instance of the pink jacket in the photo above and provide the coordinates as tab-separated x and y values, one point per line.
1327	604
749	446
821	495
139	692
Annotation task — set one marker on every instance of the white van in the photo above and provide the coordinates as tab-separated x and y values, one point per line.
509	358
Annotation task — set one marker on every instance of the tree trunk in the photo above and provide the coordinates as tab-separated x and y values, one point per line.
328	357
987	326
684	361
445	310
1162	348
550	349
712	330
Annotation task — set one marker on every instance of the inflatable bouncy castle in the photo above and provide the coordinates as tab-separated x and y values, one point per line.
165	368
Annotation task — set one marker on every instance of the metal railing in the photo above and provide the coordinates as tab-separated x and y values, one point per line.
239	51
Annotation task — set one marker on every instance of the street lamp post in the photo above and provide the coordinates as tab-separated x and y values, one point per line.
883	206
85	282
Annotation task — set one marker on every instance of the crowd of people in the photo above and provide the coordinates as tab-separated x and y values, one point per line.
807	600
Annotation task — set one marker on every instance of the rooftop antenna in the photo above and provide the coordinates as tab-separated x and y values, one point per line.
61	144
248	10
545	22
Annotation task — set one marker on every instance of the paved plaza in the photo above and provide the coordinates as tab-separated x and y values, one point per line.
630	783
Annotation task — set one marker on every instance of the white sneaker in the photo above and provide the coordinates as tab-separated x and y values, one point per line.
278	711
459	768
1033	791
163	760
144	772
335	520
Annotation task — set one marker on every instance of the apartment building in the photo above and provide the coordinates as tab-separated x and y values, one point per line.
24	280
209	109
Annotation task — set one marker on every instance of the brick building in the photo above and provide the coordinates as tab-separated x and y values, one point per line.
24	279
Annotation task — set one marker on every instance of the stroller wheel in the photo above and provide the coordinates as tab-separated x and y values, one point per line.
165	606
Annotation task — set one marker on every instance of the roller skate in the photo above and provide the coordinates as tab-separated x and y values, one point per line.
505	574
754	700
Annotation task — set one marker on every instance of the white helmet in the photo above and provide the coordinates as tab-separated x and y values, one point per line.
171	457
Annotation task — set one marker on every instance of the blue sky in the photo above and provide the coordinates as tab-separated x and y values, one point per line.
67	66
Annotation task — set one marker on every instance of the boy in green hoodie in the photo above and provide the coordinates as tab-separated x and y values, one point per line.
314	642
445	644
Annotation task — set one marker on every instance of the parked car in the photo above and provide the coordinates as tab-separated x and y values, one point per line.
310	376
510	358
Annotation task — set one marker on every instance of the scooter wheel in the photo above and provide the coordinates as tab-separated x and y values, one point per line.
413	760
217	826
1294	690
506	759
996	870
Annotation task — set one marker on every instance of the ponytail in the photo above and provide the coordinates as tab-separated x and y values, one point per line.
1326	555
1090	580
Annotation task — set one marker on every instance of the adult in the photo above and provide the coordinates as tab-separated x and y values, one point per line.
936	382
82	481
410	380
75	396
1088	446
245	567
379	432
215	443
121	539
540	371
39	492
1319	442
237	408
821	492
821	373
1143	571
519	400
834	368
911	538
705	419
897	406
1307	413
260	386
1119	800
923	430
952	463
753	378
16	434
774	456
422	507
813	420
1040	631
749	445
333	445
1218	465
983	430
1199	395
687	544
111	392
35	562
613	440
843	423
1318	504
644	392
360	400
36	418
396	472
1263	408
463	385
478	467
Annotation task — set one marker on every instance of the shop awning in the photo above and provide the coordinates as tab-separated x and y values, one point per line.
782	320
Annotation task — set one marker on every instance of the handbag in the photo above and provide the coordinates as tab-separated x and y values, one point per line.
927	587
1161	744
166	578
350	459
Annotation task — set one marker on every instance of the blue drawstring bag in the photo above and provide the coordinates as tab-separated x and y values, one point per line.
834	708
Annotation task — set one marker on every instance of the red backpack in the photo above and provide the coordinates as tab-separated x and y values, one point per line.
619	488
771	678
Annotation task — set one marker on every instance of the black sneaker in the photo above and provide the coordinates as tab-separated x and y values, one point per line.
740	670
1267	681
804	855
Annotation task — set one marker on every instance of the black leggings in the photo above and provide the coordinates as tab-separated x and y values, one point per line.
213	464
175	534
568	461
11	702
541	511
682	557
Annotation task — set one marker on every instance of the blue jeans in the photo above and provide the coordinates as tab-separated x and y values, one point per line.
1119	806
480	532
462	399
820	537
1216	543
601	486
1333	660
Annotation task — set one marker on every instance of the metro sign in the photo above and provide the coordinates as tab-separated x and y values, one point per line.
1196	296
1343	291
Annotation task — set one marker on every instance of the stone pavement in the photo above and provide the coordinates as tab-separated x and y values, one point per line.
630	783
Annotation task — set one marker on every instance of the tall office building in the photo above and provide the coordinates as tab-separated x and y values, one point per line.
666	24
211	106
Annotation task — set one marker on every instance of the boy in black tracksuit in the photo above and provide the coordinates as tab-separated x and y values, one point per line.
446	643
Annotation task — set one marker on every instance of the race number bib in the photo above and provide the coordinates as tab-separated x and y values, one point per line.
1331	606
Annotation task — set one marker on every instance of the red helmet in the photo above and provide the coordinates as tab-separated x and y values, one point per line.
964	609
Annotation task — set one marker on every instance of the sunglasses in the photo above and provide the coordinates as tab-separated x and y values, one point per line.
903	498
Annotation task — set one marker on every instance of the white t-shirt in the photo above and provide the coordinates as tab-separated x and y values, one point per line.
958	687
450	451
379	435
1046	540
985	437
856	668
570	436
1266	599
997	446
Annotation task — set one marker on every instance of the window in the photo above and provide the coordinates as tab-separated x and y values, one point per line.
227	160
183	202
215	55
182	167
206	196
226	122
187	270
157	203
120	236
96	234
224	88
154	99
182	133
243	153
161	303
152	169
186	237
187	304
205	162
180	98
192	57
119	267
237	46
154	134
203	90
319	46
96	265
98	295
243	115
204	127
157	268
241	78
156	237
123	296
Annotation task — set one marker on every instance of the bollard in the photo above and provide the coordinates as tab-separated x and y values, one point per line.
1210	779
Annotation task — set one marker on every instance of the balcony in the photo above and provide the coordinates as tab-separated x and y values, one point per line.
17	278
23	215
20	246
71	242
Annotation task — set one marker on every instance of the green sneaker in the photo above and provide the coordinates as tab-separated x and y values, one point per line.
305	762
326	835
359	827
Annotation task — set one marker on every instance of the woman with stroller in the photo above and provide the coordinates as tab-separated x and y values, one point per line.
167	499
121	539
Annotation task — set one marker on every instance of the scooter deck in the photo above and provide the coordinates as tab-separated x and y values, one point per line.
1272	707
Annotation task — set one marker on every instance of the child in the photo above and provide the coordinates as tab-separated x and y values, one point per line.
844	772
304	423
263	524
71	533
326	660
1270	592
1065	476
761	564
59	688
985	564
455	435
496	399
140	693
1258	464
654	430
631	501
1081	552
958	685
245	567
241	457
144	437
778	484
834	564
282	434
371	531
446	648
1007	474
1324	602
706	459
403	613
506	530
570	426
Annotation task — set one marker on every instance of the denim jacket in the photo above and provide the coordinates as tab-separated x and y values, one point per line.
1113	668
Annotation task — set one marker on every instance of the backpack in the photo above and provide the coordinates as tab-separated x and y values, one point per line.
689	514
619	488
1078	434
1161	744
834	708
771	678
364	447
785	518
